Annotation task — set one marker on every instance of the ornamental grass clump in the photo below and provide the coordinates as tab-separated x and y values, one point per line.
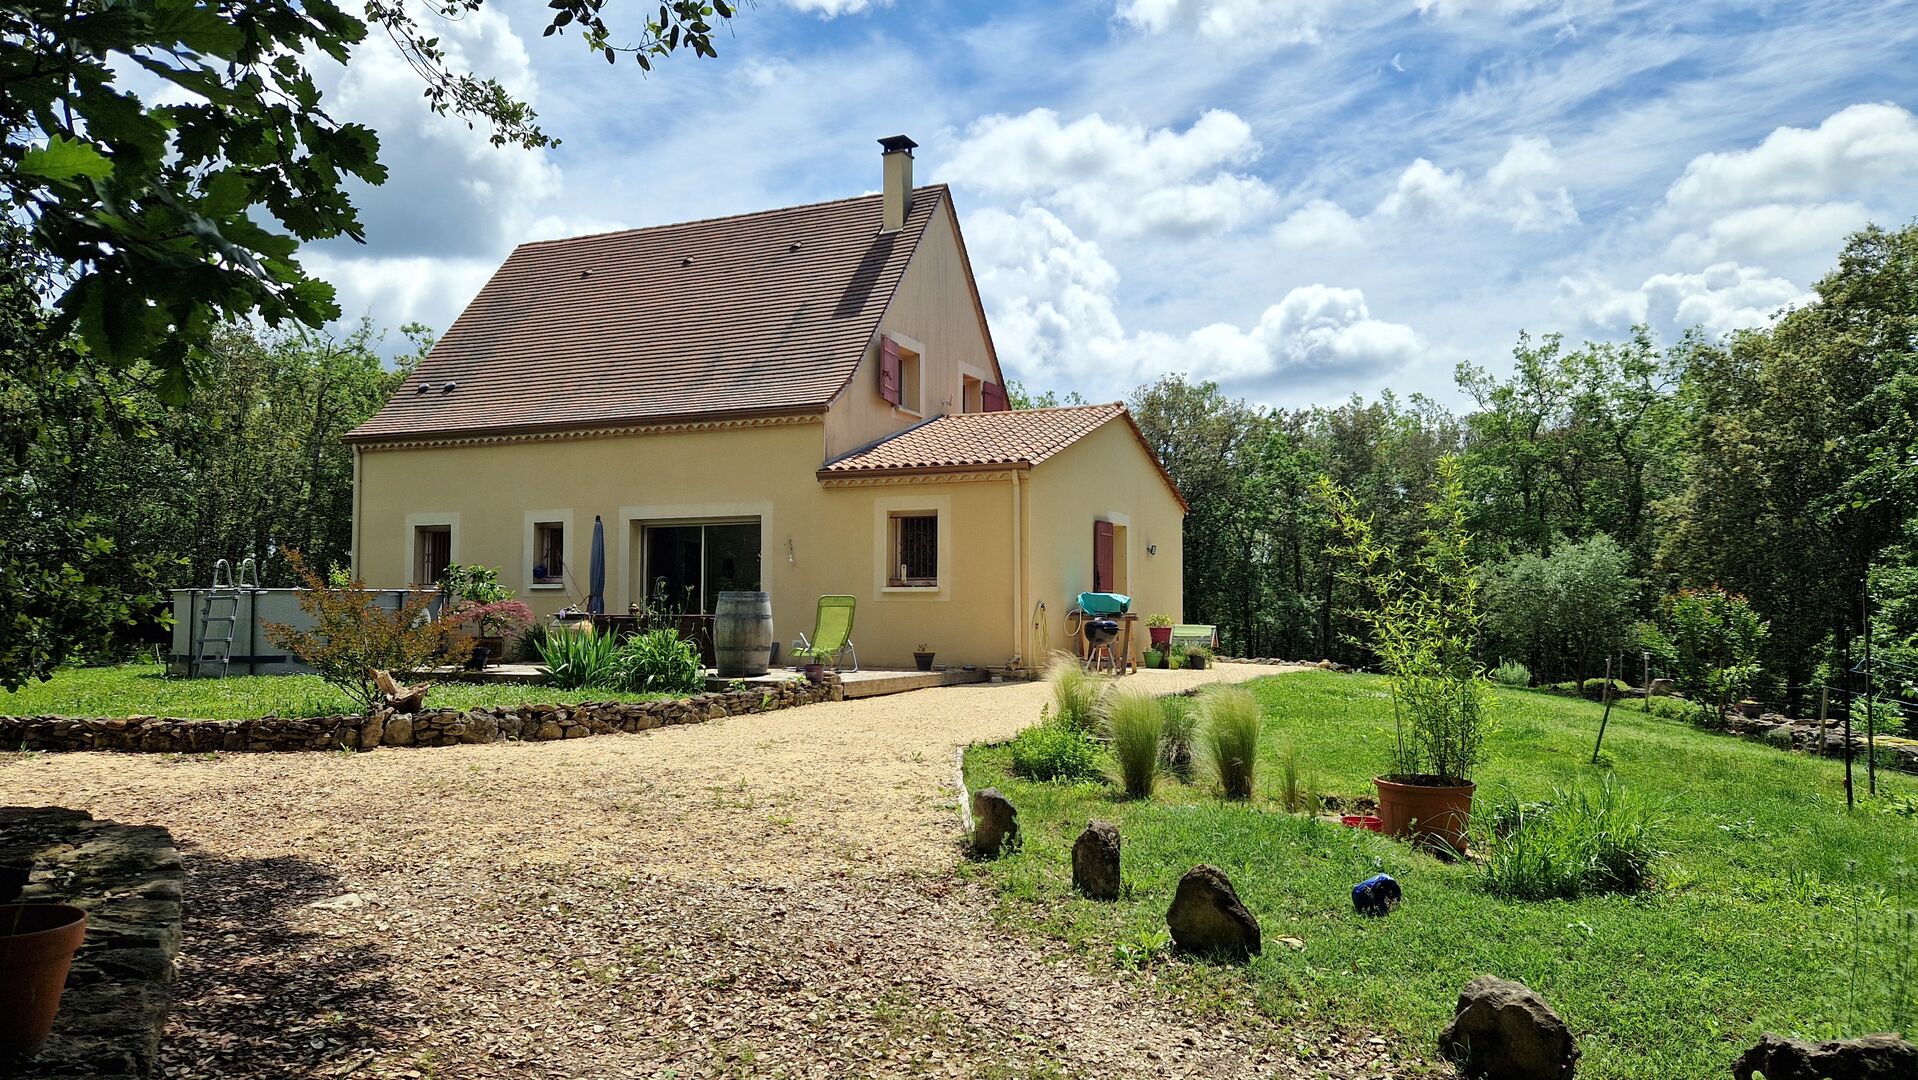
1075	692
1135	726
658	662
1228	738
1579	841
1175	743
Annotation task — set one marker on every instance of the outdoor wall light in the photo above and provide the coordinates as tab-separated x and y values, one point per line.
790	561
1152	549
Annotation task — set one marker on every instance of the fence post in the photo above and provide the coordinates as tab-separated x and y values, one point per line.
1824	709
1608	710
1871	719
1647	684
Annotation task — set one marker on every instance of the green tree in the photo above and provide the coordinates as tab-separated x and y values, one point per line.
1562	613
1715	639
167	217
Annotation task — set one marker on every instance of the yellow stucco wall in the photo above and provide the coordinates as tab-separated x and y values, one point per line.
814	539
1109	476
933	309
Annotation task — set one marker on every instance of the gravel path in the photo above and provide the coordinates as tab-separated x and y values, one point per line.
760	896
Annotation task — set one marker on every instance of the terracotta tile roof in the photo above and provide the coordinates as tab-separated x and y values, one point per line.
977	441
968	442
761	313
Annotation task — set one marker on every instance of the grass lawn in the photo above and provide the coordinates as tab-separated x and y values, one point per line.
1749	927
145	690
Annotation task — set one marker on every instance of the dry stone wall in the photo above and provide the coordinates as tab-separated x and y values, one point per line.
429	727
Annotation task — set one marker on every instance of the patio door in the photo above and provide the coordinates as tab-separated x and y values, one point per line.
688	564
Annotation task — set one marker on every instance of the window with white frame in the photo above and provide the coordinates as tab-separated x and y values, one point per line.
914	548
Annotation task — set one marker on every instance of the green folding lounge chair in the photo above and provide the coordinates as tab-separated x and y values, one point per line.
831	632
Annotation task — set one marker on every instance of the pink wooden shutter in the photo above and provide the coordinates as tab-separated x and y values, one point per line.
889	370
992	397
1102	556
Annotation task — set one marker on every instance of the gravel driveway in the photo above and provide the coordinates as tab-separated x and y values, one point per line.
761	896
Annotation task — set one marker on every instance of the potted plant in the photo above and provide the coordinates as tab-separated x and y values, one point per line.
37	943
923	657
1424	622
1159	626
813	663
478	599
1152	658
1196	657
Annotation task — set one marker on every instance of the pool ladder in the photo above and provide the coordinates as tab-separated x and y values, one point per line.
220	615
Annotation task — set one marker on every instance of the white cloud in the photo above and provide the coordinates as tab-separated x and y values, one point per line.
1522	189
1320	223
1770	231
1723	297
1855	149
1235	22
1117	179
399	290
832	9
449	191
1052	299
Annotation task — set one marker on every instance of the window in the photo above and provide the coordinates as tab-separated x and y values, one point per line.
909	381
549	552
432	551
915	551
900	374
972	395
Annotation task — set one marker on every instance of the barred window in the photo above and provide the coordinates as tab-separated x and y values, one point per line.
915	551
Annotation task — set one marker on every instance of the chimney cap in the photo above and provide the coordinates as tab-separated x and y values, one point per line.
896	143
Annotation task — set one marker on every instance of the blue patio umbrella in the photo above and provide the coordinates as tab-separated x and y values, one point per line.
596	572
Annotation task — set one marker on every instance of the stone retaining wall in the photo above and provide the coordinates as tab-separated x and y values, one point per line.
128	879
429	727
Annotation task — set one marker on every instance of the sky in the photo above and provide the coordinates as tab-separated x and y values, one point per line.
1300	199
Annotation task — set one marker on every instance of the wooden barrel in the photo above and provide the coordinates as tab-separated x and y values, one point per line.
742	633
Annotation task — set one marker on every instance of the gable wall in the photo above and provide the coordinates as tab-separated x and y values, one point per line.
1107	475
934	307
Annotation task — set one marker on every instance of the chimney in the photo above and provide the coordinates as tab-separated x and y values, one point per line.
898	181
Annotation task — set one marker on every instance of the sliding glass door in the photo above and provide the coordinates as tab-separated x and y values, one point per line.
689	564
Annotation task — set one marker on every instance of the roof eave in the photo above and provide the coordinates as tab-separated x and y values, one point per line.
636	423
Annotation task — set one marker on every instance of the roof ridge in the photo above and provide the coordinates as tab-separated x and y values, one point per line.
941	187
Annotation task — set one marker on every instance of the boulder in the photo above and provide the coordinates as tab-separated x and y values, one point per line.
1206	916
398	731
995	822
1872	1057
1664	688
1504	1031
1095	861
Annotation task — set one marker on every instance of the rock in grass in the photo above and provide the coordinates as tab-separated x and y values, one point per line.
995	822
1504	1031
1095	861
1871	1057
1207	918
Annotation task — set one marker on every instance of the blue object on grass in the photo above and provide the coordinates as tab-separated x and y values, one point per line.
1375	895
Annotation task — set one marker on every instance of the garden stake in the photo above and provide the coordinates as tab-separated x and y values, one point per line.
1871	693
1648	682
1608	710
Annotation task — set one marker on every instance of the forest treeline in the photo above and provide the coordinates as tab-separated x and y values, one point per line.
1780	464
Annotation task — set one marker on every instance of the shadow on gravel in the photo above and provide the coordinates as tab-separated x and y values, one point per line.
258	995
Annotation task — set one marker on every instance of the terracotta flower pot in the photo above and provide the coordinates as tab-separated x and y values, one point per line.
1428	814
37	943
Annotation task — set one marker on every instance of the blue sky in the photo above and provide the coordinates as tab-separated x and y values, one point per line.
1303	199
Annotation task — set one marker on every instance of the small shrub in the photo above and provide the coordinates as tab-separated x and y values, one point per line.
658	662
1229	738
1054	750
1512	673
576	659
1135	724
1569	686
525	648
1580	841
1198	657
352	635
1175	744
1075	692
1595	689
1779	737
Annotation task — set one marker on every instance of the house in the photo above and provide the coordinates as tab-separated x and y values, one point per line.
804	401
